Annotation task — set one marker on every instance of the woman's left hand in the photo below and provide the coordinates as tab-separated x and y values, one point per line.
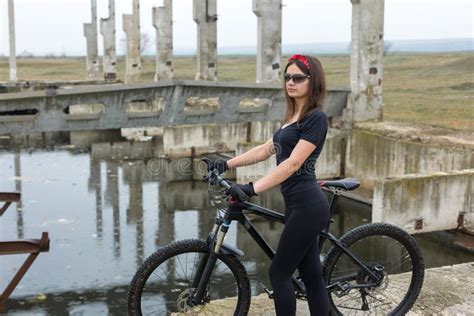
236	191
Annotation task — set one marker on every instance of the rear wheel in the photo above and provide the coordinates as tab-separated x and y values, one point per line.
392	255
163	285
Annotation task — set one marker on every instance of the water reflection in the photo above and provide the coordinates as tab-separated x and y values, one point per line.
95	185
112	200
107	209
19	208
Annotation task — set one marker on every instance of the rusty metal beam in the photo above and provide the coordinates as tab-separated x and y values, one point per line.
8	198
31	246
16	247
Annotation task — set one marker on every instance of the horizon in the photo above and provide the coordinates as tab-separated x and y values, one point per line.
343	49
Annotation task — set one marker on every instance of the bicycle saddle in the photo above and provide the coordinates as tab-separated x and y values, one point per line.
346	184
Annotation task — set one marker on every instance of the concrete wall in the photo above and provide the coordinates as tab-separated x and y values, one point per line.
372	156
222	137
424	203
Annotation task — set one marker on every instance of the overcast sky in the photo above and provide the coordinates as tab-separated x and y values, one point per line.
55	26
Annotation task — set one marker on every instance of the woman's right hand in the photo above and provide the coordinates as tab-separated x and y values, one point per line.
219	164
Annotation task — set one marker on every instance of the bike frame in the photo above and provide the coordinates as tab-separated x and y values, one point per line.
235	212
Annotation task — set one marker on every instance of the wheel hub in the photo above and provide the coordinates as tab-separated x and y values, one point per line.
185	302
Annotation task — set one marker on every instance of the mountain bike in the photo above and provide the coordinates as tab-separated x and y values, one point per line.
375	268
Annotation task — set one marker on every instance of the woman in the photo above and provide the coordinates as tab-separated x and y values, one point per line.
297	145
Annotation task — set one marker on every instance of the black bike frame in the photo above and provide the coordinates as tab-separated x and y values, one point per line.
235	212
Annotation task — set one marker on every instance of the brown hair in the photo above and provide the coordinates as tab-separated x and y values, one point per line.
316	89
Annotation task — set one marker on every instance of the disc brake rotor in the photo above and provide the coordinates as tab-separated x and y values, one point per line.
184	299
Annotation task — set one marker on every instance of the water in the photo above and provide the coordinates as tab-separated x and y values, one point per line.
105	215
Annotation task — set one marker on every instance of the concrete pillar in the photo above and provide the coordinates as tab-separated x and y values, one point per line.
131	26
11	29
163	22
90	32
205	15
269	39
365	101
107	29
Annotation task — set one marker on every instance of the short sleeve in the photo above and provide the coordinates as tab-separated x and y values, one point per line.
314	128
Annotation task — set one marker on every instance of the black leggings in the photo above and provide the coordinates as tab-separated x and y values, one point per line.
306	214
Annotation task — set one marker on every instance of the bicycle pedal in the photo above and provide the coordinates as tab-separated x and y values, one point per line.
344	288
269	293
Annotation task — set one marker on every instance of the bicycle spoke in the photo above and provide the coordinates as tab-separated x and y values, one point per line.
179	261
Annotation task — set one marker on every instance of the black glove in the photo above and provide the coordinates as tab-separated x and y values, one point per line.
241	192
219	164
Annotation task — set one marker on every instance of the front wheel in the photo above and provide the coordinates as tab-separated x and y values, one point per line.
163	285
393	257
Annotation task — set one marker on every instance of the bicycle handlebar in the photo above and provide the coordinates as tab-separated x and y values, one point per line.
226	184
214	177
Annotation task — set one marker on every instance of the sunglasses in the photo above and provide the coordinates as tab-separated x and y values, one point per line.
297	78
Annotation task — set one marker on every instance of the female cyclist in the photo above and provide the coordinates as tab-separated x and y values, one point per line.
297	145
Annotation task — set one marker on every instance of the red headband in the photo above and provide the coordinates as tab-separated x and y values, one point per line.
301	58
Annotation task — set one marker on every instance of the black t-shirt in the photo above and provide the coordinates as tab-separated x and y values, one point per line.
312	128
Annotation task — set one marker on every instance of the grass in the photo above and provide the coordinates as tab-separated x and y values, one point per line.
433	89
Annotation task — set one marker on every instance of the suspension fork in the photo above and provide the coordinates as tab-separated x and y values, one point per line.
202	263
207	264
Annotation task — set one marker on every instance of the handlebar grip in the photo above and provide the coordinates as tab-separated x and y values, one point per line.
224	183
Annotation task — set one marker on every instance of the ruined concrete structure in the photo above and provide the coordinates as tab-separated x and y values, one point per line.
205	15
11	30
269	40
90	32
365	100
163	23
107	29
131	26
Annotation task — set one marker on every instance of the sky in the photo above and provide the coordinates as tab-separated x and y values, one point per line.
56	26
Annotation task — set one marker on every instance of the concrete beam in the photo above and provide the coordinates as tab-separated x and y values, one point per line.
164	103
205	15
269	39
131	26
425	203
11	30
107	29
163	23
365	100
90	32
